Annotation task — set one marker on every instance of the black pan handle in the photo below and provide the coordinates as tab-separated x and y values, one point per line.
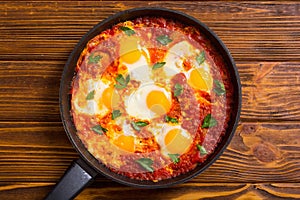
75	179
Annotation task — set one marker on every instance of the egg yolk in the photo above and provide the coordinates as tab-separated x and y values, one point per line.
125	142
129	51
200	79
110	98
158	103
176	142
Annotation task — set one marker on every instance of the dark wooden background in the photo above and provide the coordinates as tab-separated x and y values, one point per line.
263	159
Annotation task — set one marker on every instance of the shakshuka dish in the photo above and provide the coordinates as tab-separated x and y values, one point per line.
151	98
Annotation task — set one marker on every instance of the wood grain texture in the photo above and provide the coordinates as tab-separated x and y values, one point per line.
271	90
263	158
29	90
190	191
49	30
41	152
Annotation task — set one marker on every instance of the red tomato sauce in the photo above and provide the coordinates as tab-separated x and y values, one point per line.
203	113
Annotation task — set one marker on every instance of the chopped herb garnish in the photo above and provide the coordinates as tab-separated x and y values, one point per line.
120	79
201	149
90	95
209	121
164	39
171	119
115	114
178	90
120	86
200	58
174	157
94	59
128	31
219	88
99	129
137	125
146	163
122	82
158	65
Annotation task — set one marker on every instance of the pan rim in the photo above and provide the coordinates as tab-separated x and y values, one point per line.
121	16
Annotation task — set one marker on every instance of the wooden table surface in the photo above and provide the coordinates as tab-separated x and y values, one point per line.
261	162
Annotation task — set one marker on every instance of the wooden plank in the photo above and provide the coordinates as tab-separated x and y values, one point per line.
259	152
271	91
111	191
252	31
198	191
29	90
262	160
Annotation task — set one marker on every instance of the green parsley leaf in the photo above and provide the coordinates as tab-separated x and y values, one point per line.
164	39
200	58
90	95
219	88
178	90
120	86
146	163
201	149
127	79
174	157
141	124
171	119
99	129
115	114
137	125
120	79
158	65
209	121
128	31
122	82
94	59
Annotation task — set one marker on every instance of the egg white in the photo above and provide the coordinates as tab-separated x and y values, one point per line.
140	70
136	103
160	138
176	56
91	107
206	67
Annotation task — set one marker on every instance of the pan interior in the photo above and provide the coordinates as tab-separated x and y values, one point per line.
68	75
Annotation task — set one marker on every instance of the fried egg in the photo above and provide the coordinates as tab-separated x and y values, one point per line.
148	101
102	97
140	70
175	57
125	142
173	139
135	58
198	76
129	49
